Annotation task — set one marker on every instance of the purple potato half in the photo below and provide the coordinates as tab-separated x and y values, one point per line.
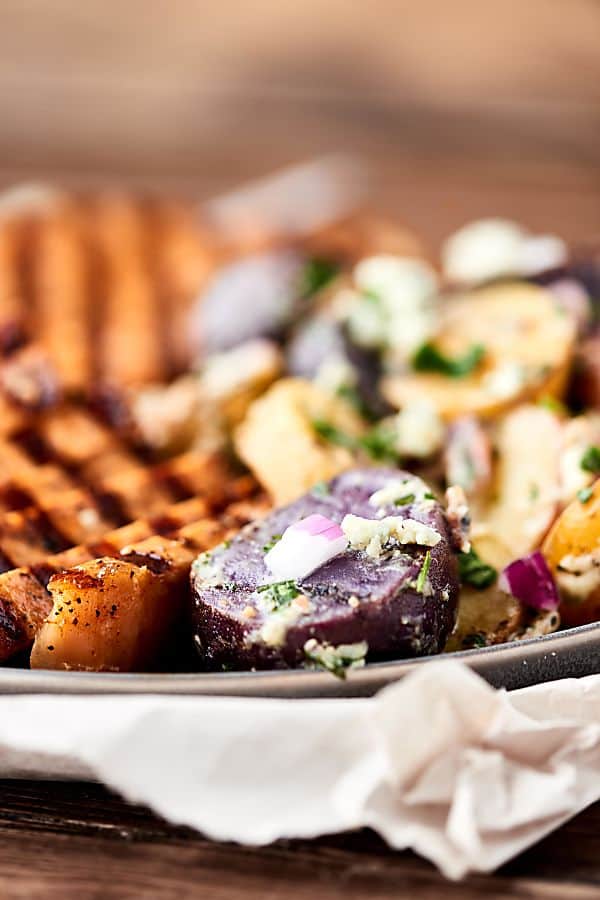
352	598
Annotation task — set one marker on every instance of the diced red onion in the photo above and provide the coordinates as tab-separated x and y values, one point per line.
305	546
529	580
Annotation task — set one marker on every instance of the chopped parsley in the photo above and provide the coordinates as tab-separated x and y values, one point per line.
275	538
534	492
380	444
280	593
320	489
403	501
422	576
351	394
477	639
227	544
315	275
336	659
429	359
472	570
372	296
552	405
585	494
334	435
590	461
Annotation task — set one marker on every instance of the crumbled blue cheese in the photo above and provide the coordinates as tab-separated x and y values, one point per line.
371	535
578	434
398	488
579	576
336	659
420	430
482	250
207	571
505	380
275	627
335	372
394	307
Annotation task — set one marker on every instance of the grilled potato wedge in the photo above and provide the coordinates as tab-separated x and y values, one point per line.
572	549
528	341
278	441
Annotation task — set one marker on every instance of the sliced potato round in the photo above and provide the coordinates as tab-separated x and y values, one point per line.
528	341
278	442
572	549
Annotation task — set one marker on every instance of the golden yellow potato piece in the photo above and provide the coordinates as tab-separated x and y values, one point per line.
278	441
572	549
528	345
524	497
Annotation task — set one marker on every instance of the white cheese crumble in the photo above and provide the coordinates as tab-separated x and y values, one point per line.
505	380
579	576
336	659
371	535
496	248
394	307
274	629
420	430
578	434
398	488
205	570
335	372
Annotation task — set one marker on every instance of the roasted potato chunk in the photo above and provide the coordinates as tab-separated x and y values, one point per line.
279	443
528	344
572	549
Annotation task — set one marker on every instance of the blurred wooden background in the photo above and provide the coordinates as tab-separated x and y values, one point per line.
464	107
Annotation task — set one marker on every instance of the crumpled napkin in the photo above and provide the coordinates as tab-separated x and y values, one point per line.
440	762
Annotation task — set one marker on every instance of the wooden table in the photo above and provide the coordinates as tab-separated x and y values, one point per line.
450	137
77	841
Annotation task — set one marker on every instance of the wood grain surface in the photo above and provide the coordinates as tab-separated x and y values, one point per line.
75	841
461	109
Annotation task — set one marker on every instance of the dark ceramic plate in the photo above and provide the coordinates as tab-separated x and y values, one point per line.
565	654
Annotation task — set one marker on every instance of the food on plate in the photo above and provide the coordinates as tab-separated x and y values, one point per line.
572	549
359	452
282	437
381	579
494	347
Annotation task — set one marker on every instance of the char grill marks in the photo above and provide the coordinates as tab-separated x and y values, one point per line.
101	285
223	504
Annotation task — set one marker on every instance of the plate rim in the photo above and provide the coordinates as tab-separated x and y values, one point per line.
491	662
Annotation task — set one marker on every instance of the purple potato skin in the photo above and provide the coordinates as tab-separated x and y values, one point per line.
393	618
254	297
318	339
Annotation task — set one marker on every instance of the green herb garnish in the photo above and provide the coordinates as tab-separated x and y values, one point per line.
332	434
280	593
429	359
320	489
472	570
552	405
379	443
336	659
275	538
403	501
315	275
477	639
534	492
590	461
351	395
422	576
585	494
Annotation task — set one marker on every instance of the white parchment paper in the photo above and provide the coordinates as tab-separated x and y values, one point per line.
465	775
